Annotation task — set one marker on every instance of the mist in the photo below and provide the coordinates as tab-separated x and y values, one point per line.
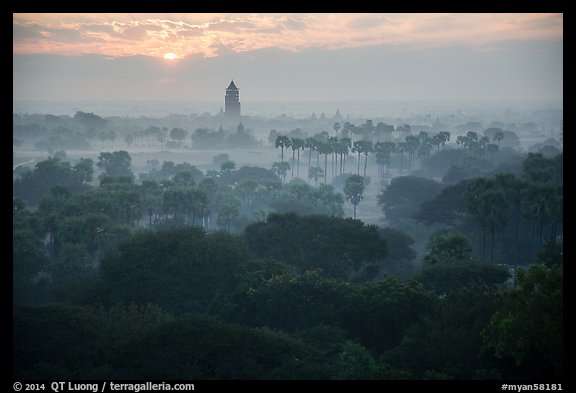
378	212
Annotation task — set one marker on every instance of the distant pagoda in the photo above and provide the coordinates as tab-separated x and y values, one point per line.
232	102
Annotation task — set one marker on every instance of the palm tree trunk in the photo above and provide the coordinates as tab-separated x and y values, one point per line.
325	167
336	164
365	163
293	152
298	170
358	172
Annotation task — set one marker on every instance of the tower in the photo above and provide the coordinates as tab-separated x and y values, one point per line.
232	101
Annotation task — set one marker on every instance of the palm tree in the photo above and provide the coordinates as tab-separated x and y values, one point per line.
310	143
345	144
425	146
333	142
281	168
367	129
462	141
362	147
412	143
282	142
325	148
336	128
495	207
401	148
356	149
473	197
347	129
315	173
354	190
380	160
515	191
367	149
498	136
297	144
444	137
388	148
542	201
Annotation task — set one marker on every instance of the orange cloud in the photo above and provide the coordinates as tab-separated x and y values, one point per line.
210	34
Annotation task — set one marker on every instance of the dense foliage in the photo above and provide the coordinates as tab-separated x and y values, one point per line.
254	273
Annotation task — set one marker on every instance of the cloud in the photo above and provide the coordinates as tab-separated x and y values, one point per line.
27	32
214	34
231	26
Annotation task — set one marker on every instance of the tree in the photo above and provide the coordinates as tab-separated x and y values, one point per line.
334	145
315	173
89	120
451	276
489	205
444	137
228	208
85	169
526	333
401	148
311	144
227	167
336	128
552	253
498	136
280	168
341	247
446	341
355	362
31	186
151	198
411	145
403	197
178	134
184	264
115	164
343	150
297	145
453	246
540	169
326	149
362	147
447	208
282	142
354	190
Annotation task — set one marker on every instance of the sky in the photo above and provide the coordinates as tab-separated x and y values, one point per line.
294	57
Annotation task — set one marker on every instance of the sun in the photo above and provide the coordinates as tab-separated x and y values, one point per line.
170	56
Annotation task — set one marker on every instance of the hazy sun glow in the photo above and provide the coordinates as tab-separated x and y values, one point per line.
170	56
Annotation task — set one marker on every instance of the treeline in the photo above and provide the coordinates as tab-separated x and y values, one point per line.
508	216
387	149
233	274
78	223
184	304
89	131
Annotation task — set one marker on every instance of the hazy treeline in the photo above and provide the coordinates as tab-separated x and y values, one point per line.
86	130
255	271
